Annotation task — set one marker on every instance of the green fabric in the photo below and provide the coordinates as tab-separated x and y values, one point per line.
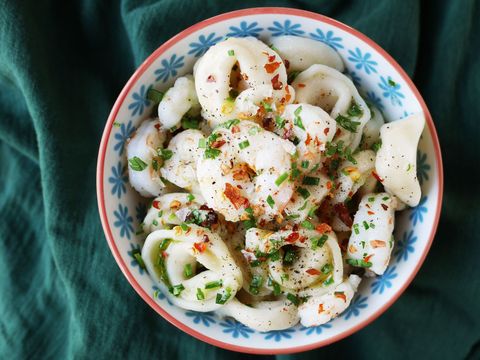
63	63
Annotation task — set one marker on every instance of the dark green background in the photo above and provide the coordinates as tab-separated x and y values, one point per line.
62	64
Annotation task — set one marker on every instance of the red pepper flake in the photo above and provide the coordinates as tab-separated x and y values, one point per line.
235	129
301	85
309	139
205	238
200	247
218	144
287	63
340	295
313	272
288	96
271	58
329	185
164	254
377	243
370	212
320	308
277	85
292	237
323	228
375	175
271	67
367	258
326	131
343	214
211	79
157	126
234	195
156	204
385	207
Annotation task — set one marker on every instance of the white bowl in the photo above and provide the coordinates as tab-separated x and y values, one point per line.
371	68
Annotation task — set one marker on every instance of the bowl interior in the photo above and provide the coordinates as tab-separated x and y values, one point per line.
381	82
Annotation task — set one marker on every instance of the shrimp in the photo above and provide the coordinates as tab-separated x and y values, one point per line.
144	158
396	162
245	169
335	93
301	53
263	315
320	310
177	101
312	128
371	242
259	66
171	258
181	168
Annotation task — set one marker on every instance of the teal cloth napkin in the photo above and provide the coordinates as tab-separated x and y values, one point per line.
62	64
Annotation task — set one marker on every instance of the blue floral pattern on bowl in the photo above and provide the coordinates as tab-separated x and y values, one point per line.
382	85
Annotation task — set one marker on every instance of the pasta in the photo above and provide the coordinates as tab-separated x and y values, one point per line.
274	184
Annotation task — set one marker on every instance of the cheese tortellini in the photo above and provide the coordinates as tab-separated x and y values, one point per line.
275	186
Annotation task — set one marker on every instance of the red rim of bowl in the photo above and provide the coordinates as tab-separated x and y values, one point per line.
106	135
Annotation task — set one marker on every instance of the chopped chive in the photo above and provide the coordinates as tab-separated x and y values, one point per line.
284	277
312	170
385	198
310	180
137	164
318	242
187	270
329	281
377	146
270	201
223	298
155	223
293	298
371	199
267	106
154	95
184	227
155	164
365	225
281	179
355	228
249	210
211	153
274	255
214	284
311	212
298	122
303	206
297	111
307	225
326	269
289	256
295	173
305	164
276	287
292	75
255	284
279	121
231	52
292	216
164	244
304	193
200	294
202	143
166	154
355	110
177	289
346	123
359	263
190	197
139	259
244	144
228	124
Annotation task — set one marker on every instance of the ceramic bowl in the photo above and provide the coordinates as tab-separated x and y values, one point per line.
383	83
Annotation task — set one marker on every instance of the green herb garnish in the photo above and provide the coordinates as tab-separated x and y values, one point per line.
270	201
137	164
